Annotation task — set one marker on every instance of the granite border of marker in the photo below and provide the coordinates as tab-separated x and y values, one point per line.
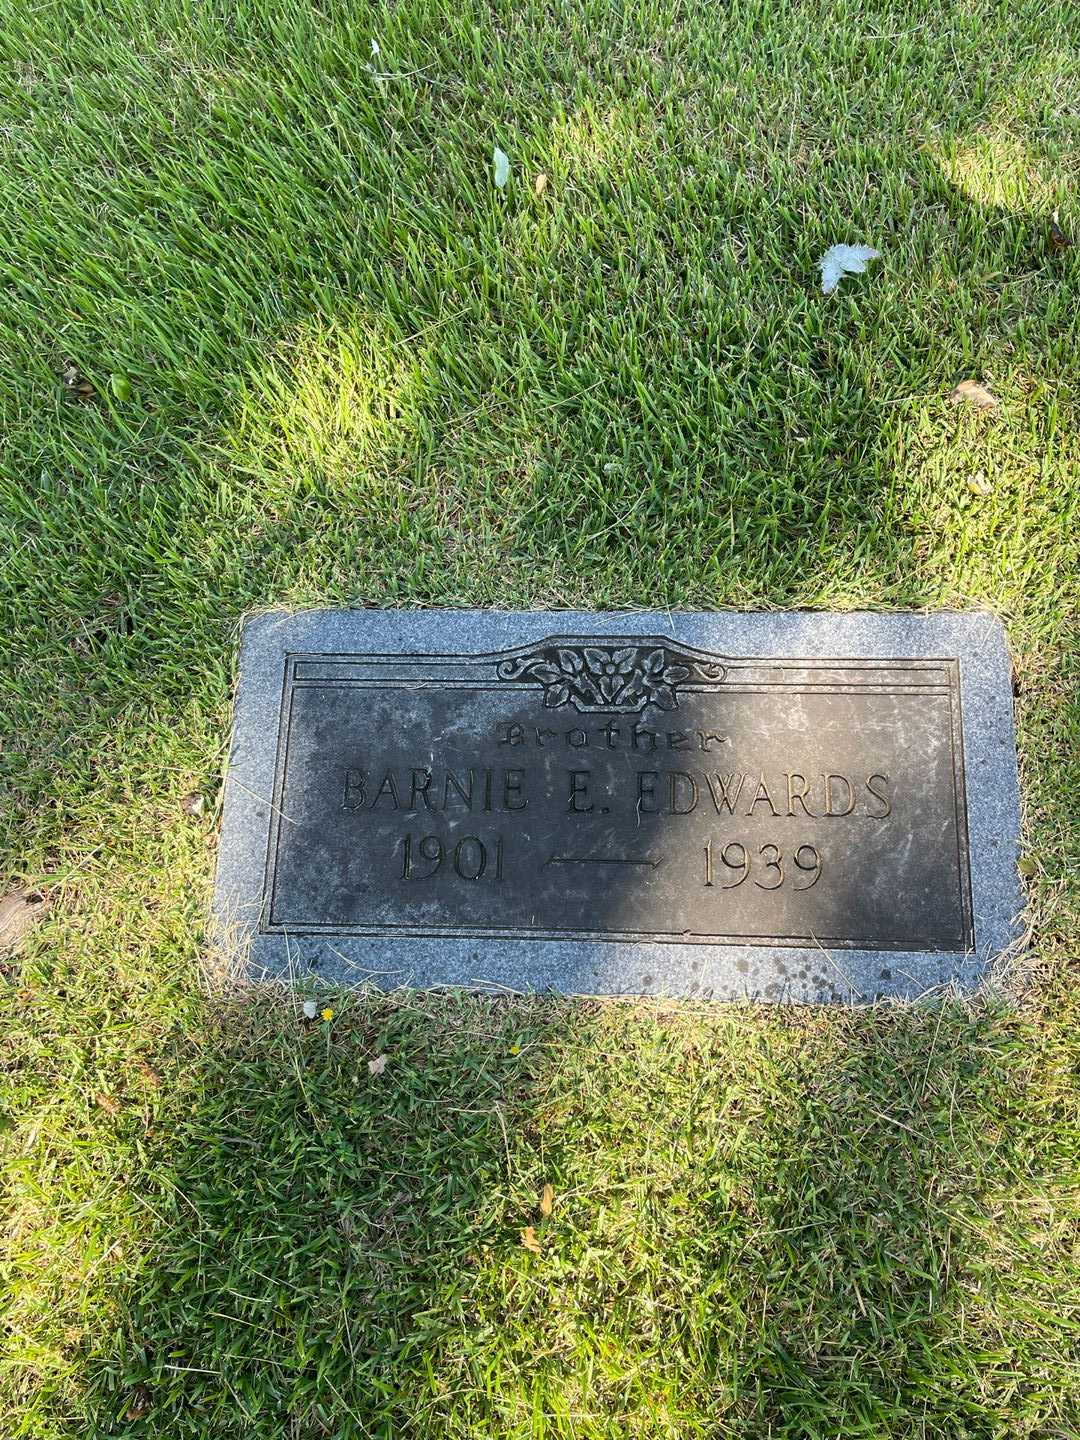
722	972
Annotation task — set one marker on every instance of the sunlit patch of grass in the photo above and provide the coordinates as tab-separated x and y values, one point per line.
1023	155
594	143
325	410
999	169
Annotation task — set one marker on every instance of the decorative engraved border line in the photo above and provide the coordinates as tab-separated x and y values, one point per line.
742	662
959	775
647	937
729	666
950	665
491	657
820	688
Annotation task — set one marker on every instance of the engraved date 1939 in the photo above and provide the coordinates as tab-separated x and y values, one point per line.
733	863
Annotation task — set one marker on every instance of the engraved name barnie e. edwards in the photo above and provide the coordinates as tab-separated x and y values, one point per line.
617	678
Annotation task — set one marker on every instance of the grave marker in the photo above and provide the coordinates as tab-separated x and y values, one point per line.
781	806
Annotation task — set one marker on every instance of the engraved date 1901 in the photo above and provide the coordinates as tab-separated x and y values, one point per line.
732	864
470	859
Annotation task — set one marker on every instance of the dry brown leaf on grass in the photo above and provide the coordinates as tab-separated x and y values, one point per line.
547	1201
1058	239
529	1240
540	184
970	392
75	382
141	1403
378	1065
108	1103
19	911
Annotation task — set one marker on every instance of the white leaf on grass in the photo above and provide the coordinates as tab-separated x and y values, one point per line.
374	48
310	1009
378	1065
501	161
841	260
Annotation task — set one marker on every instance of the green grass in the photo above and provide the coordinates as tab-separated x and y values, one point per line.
330	362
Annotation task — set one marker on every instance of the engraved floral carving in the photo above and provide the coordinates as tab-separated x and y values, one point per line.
611	678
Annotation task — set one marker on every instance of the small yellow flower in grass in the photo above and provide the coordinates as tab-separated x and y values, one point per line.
515	1049
328	1014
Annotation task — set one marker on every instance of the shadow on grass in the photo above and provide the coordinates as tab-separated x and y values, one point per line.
762	1227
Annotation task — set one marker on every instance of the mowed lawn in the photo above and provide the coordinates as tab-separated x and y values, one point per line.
270	334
